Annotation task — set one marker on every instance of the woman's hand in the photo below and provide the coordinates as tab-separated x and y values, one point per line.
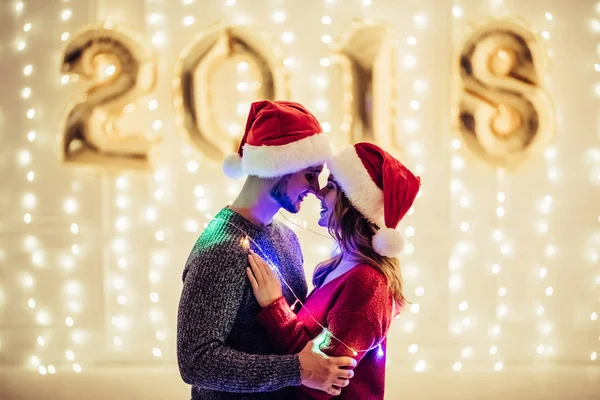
264	281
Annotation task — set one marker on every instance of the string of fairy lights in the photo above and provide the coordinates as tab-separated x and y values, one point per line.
161	187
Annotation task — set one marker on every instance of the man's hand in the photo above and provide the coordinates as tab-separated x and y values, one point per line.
319	371
263	279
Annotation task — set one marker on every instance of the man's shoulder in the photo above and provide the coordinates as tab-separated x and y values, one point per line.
285	229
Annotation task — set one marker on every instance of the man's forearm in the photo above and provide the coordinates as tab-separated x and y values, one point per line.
216	367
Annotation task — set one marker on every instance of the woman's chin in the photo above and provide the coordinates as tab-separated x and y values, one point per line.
322	222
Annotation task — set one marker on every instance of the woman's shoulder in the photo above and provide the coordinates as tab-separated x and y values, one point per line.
366	277
368	271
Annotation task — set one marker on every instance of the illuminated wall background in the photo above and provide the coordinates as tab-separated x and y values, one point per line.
501	264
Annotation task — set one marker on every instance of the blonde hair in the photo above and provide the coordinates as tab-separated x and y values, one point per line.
353	234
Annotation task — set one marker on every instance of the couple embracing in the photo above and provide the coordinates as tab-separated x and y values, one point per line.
246	327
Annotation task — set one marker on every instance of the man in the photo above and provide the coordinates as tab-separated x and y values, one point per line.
222	350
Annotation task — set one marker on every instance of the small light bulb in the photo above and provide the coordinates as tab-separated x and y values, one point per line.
325	62
457	11
326	39
463	306
493	350
188	20
27	27
28	70
420	366
420	20
65	36
549	16
467	352
287	37
278	17
288	62
325	20
457	366
65	15
409	61
156	352
539	311
499	365
411	40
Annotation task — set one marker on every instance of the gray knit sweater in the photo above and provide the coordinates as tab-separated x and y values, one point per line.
222	350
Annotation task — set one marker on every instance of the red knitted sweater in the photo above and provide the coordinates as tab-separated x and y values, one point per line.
356	307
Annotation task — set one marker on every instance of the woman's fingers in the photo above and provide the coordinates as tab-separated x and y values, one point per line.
265	268
256	270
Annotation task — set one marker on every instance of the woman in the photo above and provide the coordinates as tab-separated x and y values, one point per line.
359	290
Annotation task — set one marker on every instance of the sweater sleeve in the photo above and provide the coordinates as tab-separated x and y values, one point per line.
359	318
214	284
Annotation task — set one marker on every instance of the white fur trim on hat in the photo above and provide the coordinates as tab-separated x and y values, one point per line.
232	166
388	242
275	161
349	171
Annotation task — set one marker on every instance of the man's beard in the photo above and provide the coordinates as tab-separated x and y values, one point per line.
279	193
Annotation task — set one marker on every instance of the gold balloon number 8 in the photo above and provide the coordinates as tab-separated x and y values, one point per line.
501	110
120	69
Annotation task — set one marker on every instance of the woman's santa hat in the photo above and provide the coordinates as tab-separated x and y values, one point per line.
281	137
380	187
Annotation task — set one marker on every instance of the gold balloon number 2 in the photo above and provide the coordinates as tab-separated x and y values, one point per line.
120	69
501	110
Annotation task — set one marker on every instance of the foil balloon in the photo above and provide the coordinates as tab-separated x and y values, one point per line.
501	110
194	91
366	55
120	69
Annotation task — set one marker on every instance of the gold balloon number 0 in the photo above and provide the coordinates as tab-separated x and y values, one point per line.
501	110
193	93
120	69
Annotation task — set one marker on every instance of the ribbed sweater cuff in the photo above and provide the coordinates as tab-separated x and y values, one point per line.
276	314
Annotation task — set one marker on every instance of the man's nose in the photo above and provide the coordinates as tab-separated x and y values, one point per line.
320	194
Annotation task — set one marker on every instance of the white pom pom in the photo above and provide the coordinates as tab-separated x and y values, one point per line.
388	242
232	166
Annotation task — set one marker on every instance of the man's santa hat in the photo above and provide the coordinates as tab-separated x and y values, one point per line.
380	187
281	137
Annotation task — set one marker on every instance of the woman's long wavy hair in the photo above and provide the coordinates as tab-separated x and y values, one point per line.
353	233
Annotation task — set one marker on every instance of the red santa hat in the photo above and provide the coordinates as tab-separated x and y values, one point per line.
281	138
380	187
